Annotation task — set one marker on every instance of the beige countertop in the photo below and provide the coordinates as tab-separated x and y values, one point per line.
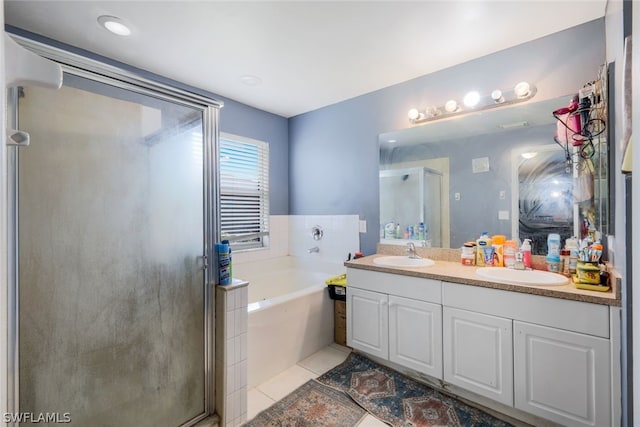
450	271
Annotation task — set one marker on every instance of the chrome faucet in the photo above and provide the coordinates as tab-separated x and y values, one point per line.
314	249
411	249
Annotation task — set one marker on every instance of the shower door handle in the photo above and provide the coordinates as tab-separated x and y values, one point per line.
17	138
203	260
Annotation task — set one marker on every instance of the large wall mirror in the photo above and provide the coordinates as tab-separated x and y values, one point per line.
499	171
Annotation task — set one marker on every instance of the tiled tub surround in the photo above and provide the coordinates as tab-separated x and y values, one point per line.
290	313
231	353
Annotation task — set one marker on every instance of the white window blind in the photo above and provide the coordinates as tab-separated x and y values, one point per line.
244	192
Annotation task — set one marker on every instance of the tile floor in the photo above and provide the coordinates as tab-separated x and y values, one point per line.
267	393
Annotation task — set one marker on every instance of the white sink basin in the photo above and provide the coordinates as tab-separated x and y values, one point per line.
402	261
522	277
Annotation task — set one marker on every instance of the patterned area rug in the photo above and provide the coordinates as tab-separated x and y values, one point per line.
312	404
399	400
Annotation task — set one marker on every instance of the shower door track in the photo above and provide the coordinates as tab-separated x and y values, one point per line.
78	65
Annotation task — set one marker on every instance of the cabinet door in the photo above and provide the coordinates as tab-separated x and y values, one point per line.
415	335
562	376
368	322
478	353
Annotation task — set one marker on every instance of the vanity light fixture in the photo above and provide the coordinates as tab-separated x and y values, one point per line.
521	92
114	25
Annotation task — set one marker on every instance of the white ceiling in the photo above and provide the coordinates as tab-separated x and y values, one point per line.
308	54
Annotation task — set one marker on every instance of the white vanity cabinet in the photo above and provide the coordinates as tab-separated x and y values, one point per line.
478	353
397	318
554	358
562	376
559	364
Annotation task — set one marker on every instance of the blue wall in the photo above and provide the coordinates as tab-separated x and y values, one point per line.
235	118
333	151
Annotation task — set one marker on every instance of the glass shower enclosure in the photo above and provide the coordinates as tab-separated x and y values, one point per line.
111	215
408	197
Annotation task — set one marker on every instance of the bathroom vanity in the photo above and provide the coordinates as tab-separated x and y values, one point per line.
549	351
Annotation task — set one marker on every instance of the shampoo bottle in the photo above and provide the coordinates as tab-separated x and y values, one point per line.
526	253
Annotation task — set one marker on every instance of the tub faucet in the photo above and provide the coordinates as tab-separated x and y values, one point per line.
314	249
411	249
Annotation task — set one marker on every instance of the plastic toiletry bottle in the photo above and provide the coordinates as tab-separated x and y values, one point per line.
509	253
484	248
553	245
553	263
222	257
526	253
498	249
421	231
390	230
398	234
564	262
572	245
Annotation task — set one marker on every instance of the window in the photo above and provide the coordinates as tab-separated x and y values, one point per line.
244	192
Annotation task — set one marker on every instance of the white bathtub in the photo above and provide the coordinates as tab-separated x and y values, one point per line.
290	312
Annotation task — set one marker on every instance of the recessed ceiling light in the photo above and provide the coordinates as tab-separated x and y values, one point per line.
250	80
391	141
114	25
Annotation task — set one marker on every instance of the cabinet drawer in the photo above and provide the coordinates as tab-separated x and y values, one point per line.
395	284
586	318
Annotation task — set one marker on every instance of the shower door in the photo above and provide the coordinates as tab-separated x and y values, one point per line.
110	202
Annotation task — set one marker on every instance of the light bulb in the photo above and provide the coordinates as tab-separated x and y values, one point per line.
471	99
522	89
529	155
432	112
451	106
413	114
496	95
